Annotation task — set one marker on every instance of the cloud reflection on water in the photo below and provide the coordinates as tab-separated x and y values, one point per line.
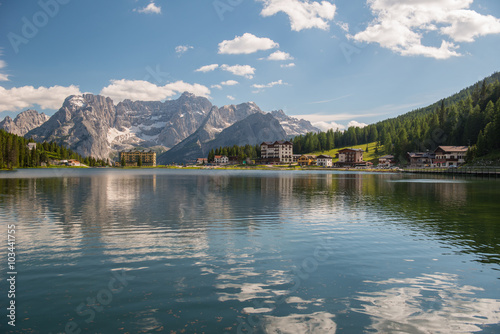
431	303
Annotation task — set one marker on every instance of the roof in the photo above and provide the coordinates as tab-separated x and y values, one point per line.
141	151
278	142
308	156
324	157
420	154
452	148
219	156
351	149
388	156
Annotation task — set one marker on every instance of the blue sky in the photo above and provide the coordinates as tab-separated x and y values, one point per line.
332	62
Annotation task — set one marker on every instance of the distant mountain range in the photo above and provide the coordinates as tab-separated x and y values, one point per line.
181	129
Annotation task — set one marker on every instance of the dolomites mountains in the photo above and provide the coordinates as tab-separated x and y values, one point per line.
185	128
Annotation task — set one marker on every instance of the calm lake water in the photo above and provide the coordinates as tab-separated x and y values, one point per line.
144	251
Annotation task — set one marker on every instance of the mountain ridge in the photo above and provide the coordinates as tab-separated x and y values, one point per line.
93	125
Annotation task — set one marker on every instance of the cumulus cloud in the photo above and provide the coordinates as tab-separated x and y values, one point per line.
356	124
279	55
207	68
139	90
181	49
325	126
287	65
246	71
152	8
18	98
303	14
401	26
229	83
246	44
216	86
231	97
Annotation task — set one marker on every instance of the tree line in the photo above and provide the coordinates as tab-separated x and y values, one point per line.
242	152
14	153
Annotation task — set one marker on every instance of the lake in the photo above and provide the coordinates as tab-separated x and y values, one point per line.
214	251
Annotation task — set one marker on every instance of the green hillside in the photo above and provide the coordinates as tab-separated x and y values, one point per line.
369	155
14	153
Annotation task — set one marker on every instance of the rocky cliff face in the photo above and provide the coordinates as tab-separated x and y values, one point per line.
24	122
81	124
93	125
293	126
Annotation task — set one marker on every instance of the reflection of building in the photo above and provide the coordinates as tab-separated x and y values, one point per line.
324	161
307	160
448	156
280	151
133	157
420	159
386	161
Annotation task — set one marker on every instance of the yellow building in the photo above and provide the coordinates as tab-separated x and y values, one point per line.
138	157
307	160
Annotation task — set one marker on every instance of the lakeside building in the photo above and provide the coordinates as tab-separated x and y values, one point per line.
132	158
73	162
324	161
352	157
280	151
450	156
307	160
420	159
31	146
201	161
221	160
386	161
442	157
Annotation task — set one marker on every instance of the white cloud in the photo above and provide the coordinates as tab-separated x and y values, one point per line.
229	83
325	126
180	49
231	97
246	44
331	100
401	26
139	90
344	26
18	98
152	8
269	85
207	68
216	86
356	124
303	14
3	77
246	71
279	55
287	65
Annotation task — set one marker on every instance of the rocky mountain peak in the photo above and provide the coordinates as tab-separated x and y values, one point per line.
24	122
